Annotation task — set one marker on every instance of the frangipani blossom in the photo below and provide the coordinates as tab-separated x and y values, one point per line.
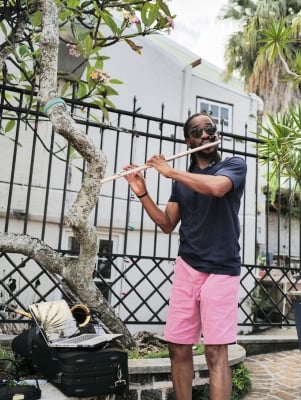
131	18
73	50
100	76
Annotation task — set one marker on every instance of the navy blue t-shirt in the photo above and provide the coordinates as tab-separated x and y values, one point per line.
209	231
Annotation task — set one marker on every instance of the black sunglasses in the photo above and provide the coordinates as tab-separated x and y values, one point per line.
197	132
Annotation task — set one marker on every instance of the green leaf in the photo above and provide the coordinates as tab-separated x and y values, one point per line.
104	111
164	8
99	63
73	3
65	14
110	22
109	90
149	13
82	90
116	82
36	19
10	125
86	44
65	88
3	29
109	103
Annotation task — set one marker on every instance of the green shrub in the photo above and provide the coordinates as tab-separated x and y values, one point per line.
5	356
241	384
6	353
7	367
11	363
241	381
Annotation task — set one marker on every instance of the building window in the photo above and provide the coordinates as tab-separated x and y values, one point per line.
103	268
220	112
73	246
104	253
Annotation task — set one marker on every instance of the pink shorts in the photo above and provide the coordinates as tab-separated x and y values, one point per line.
202	305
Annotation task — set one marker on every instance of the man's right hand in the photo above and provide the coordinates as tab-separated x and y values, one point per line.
135	180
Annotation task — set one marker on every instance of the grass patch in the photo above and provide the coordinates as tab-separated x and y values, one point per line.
162	353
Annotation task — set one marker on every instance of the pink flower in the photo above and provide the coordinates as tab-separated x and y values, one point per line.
73	52
131	18
170	22
134	19
100	76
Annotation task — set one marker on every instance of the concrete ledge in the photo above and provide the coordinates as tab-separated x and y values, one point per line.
162	365
246	339
268	343
6	339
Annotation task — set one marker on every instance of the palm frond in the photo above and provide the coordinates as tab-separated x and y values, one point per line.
280	144
276	40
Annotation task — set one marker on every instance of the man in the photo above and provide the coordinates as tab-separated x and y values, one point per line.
204	296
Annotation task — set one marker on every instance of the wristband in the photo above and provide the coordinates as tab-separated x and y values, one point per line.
142	195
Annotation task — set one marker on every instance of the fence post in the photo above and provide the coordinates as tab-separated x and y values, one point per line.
296	303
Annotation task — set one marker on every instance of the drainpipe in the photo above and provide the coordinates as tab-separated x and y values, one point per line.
186	87
185	99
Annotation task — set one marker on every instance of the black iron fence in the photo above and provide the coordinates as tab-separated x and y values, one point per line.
40	174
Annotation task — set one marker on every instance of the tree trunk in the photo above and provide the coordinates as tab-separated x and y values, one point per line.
77	274
277	93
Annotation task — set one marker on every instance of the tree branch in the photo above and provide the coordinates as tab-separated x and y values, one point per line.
14	38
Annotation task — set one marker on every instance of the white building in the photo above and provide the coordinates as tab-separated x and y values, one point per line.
164	73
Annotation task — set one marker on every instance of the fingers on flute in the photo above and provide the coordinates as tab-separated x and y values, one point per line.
155	158
128	168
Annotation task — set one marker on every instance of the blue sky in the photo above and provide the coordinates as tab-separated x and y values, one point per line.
196	28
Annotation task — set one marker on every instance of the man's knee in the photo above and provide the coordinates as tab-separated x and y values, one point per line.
216	354
180	352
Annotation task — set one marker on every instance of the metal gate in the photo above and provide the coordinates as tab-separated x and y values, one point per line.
40	174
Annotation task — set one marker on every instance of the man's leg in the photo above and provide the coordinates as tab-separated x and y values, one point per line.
181	370
220	377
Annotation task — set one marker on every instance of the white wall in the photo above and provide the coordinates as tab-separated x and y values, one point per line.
162	74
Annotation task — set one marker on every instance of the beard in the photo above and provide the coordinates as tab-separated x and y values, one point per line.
204	155
210	154
210	157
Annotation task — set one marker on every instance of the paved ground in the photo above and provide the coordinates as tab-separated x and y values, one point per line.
275	376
